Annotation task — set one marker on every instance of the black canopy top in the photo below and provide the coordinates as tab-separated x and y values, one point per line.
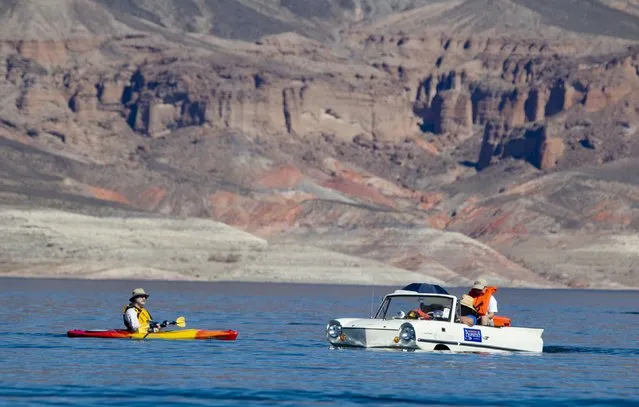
425	288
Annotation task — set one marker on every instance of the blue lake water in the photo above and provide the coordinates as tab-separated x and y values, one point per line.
281	357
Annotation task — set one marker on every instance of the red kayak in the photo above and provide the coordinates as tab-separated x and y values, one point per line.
182	334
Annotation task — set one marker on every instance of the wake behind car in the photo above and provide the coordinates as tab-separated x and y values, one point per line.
424	317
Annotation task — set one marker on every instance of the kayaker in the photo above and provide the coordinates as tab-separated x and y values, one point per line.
467	314
136	317
484	301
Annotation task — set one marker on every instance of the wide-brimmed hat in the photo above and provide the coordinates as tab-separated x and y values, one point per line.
138	292
480	284
467	301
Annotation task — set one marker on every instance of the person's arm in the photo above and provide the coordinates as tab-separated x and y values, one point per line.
132	318
464	319
492	307
469	321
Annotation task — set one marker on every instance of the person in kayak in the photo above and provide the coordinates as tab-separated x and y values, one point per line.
484	302
136	317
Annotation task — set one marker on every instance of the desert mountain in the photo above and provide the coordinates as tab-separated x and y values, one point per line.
319	19
447	138
231	19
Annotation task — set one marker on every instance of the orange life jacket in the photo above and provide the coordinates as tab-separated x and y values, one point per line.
500	320
482	299
421	313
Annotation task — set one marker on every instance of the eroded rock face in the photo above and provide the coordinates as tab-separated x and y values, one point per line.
46	53
168	94
550	152
301	108
534	145
449	104
381	132
110	93
493	135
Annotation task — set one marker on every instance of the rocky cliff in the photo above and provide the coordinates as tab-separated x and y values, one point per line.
349	116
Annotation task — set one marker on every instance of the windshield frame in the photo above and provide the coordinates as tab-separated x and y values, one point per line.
382	310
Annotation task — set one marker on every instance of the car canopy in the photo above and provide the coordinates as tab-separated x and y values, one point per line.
424	288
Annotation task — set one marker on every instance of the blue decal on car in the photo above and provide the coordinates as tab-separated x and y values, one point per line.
472	335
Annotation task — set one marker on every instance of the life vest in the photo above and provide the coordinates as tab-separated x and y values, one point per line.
420	313
144	317
500	320
482	299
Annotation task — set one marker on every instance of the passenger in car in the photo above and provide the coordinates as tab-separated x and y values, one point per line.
467	314
484	301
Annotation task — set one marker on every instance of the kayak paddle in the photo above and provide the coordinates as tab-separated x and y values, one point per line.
179	321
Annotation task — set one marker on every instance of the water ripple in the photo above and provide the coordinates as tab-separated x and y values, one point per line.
83	395
591	350
281	356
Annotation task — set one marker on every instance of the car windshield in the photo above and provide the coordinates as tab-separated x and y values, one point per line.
416	307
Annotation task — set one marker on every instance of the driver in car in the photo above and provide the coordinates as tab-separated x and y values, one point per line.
425	311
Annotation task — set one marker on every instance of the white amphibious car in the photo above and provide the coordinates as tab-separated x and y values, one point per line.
396	327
